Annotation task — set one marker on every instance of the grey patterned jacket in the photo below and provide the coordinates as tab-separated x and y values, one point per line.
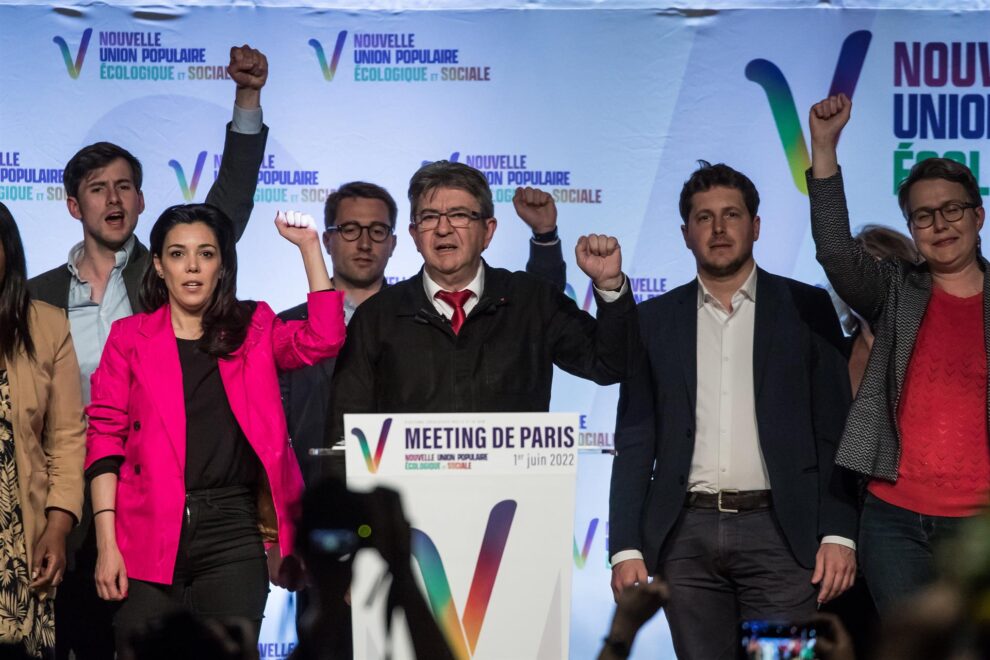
892	295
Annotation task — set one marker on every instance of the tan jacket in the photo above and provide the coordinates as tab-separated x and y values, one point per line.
49	430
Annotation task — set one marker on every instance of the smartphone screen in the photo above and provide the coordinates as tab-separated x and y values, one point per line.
776	640
333	541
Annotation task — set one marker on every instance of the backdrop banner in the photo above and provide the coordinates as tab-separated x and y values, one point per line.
609	110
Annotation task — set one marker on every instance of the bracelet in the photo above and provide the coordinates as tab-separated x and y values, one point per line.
96	513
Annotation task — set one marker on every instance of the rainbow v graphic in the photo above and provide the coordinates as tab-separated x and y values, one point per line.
589	296
453	158
462	633
581	557
373	461
767	75
189	189
74	68
329	71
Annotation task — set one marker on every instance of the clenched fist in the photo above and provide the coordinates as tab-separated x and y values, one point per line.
600	257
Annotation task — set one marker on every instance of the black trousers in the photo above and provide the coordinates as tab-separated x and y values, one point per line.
83	620
723	567
220	569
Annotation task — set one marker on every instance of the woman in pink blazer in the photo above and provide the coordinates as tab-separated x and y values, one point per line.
187	450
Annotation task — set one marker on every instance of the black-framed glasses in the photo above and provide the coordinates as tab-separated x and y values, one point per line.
459	219
924	218
351	231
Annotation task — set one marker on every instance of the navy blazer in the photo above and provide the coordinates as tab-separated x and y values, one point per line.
802	395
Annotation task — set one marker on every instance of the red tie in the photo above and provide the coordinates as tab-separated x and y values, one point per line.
455	299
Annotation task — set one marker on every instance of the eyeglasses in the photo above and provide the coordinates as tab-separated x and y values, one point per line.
351	231
951	212
429	219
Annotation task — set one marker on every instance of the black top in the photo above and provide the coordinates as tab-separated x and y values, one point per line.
217	452
402	356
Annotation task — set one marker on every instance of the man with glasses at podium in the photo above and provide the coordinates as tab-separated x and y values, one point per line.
463	336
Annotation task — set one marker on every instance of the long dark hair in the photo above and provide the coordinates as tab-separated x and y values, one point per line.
225	320
15	303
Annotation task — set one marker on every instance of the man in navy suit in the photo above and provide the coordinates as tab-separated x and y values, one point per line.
724	482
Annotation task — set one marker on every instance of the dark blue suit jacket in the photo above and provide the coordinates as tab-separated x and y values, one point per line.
802	395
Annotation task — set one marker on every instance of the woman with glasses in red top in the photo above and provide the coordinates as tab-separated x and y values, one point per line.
918	426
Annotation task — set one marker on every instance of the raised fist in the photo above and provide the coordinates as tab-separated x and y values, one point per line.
600	257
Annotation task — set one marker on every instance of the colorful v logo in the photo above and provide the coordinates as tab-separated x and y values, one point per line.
581	557
189	189
462	634
453	159
766	74
329	71
74	69
589	296
373	461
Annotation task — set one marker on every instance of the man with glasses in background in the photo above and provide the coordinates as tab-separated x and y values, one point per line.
462	336
360	237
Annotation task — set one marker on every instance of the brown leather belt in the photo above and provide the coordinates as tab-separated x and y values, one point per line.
730	501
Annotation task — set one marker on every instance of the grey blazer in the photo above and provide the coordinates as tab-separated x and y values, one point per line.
232	193
892	295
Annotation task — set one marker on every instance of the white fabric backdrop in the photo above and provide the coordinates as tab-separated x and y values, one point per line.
612	101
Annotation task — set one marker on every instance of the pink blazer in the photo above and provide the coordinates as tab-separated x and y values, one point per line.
138	412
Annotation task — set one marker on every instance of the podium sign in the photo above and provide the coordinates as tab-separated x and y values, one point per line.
490	497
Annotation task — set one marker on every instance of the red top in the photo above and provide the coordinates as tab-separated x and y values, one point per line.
945	456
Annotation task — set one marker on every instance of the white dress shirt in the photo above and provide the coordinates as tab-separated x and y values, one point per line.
90	322
727	452
477	286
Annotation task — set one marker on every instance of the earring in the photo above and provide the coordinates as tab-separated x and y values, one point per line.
161	274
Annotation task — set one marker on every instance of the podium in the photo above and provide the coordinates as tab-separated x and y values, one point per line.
490	497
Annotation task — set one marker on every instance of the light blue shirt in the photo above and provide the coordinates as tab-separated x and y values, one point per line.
90	322
349	309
